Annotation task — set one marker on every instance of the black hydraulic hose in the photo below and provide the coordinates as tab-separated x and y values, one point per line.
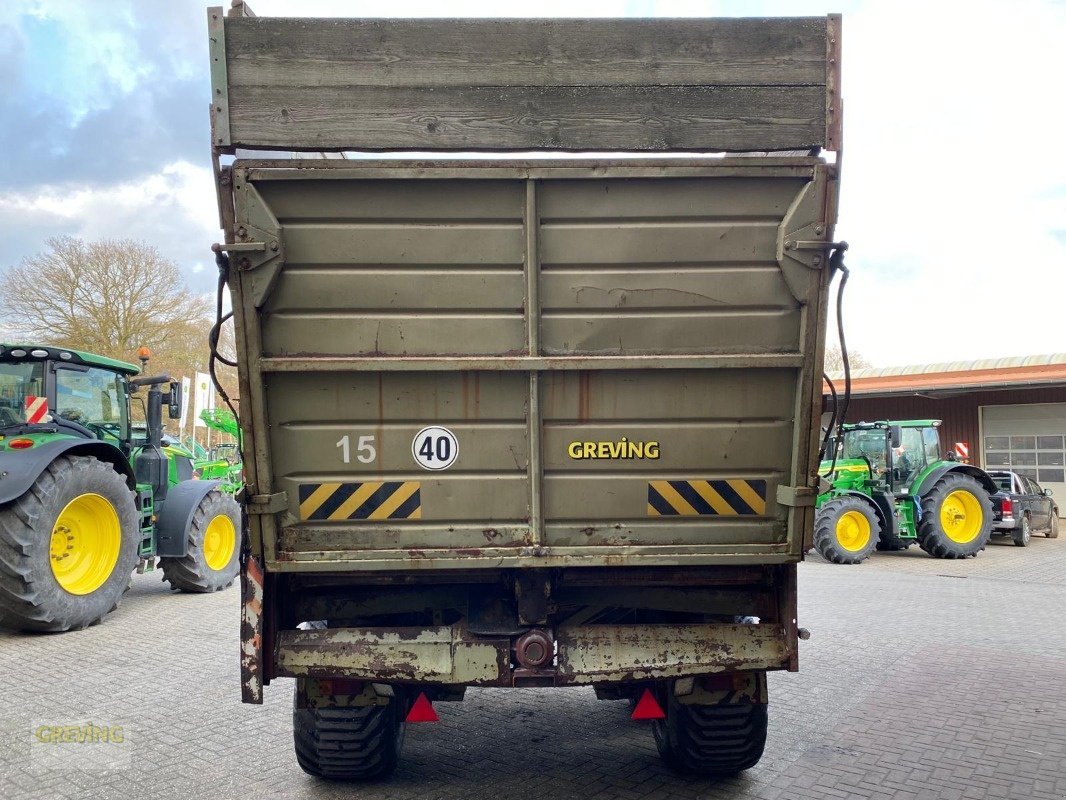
222	262
832	419
836	264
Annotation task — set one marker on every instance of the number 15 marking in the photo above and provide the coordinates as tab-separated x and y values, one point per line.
366	452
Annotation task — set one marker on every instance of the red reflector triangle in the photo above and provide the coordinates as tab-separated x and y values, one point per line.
422	710
648	707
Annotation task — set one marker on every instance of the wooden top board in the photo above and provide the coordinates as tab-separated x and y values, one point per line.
525	84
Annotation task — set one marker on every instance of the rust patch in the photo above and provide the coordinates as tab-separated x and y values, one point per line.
468	551
584	393
490	534
588	531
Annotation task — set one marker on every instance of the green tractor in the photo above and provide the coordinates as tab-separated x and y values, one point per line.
889	488
223	463
84	500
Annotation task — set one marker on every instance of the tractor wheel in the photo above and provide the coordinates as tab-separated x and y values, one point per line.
718	740
351	743
1053	531
211	561
846	530
956	518
1023	533
67	547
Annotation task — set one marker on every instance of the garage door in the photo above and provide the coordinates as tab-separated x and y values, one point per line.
1029	439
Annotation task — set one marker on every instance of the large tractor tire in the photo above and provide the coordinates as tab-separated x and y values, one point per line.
67	547
213	542
721	740
846	530
956	518
355	743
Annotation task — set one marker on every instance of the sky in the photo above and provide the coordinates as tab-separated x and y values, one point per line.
954	170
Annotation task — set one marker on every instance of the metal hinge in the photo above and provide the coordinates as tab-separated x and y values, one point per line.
796	496
810	244
267	503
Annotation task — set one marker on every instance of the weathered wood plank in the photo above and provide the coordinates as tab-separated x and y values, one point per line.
630	118
292	53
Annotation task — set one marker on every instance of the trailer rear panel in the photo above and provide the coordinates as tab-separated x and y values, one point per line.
526	422
622	353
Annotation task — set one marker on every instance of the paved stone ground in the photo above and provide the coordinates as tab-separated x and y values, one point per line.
923	679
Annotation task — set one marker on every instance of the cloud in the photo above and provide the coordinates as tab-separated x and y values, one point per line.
953	180
173	209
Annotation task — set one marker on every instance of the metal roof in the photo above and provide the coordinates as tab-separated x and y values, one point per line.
954	376
981	364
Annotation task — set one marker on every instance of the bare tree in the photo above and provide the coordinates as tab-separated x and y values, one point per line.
834	361
108	297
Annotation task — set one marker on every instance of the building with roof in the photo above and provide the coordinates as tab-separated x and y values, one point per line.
1008	412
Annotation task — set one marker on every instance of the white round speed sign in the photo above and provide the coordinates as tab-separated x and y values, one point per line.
435	448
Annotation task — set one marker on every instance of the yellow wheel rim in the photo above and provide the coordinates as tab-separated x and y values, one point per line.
85	544
853	531
220	541
961	516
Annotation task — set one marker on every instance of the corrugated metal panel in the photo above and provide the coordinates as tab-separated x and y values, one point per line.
517	280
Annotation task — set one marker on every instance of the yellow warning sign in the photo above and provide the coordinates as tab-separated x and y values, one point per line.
696	498
371	500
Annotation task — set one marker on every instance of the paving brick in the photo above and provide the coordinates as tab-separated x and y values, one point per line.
923	680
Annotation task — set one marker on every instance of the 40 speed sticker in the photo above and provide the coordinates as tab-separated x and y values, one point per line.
435	448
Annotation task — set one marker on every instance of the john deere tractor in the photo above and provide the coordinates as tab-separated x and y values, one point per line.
84	500
889	488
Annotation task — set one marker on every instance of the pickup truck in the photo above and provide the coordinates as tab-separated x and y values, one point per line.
1022	506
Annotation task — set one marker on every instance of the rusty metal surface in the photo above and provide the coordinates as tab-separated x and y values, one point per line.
586	653
252	631
432	655
604	653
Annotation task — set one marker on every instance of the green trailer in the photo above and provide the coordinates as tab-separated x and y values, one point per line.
889	488
84	500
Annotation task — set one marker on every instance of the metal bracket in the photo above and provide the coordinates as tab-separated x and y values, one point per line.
258	241
798	249
245	247
796	496
791	244
267	503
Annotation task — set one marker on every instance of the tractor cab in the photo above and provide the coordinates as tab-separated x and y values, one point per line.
893	453
49	393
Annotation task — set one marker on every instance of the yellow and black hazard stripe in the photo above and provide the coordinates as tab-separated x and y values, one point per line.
724	498
371	500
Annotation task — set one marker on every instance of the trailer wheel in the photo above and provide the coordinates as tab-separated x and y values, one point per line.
722	739
846	530
1023	533
212	557
956	518
349	744
67	547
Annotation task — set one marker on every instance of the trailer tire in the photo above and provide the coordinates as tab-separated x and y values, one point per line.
720	740
356	743
213	547
1053	530
956	517
78	500
846	530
